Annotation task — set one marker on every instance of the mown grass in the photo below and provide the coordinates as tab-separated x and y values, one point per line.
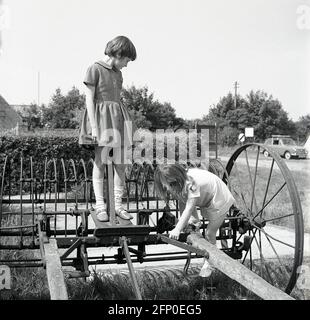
154	283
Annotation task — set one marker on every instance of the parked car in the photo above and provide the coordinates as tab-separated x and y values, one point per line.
285	146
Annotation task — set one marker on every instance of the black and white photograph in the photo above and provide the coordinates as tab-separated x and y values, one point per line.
155	155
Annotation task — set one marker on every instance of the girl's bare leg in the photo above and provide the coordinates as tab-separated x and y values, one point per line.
211	231
212	228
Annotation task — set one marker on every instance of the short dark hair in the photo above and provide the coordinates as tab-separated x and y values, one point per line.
121	46
170	179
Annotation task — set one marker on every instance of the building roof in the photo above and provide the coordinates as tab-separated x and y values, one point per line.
8	116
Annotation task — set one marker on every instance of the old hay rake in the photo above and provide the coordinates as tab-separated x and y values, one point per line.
47	207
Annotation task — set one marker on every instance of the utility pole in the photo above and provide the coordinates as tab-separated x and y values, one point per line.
236	86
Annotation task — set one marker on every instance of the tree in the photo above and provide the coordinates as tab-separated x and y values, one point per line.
147	112
258	110
64	111
31	116
303	128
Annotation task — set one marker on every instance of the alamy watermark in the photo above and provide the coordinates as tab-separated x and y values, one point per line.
163	146
5	21
303	281
303	17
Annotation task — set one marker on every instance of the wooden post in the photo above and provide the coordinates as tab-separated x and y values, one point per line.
237	271
110	192
55	277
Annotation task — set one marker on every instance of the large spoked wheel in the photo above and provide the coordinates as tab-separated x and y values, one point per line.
266	194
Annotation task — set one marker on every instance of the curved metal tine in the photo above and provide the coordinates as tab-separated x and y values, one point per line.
129	182
132	178
90	164
63	165
140	190
143	180
137	195
2	187
55	193
127	185
32	197
147	181
21	198
72	165
83	183
262	259
48	173
44	184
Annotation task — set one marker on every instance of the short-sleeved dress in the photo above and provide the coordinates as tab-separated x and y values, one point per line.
214	197
113	122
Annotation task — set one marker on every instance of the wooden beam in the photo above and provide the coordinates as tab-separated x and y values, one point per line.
55	276
237	271
110	192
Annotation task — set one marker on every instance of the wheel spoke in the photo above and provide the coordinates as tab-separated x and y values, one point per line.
274	250
278	218
263	261
240	184
268	183
248	249
260	245
251	181
254	184
264	207
273	238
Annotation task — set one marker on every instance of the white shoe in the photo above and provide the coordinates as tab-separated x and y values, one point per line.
122	213
119	210
102	215
206	270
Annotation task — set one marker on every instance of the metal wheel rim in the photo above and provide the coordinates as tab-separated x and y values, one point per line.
294	198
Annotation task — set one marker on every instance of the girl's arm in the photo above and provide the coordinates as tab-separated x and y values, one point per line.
90	94
189	207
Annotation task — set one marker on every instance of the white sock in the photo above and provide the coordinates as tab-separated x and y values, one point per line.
98	185
118	194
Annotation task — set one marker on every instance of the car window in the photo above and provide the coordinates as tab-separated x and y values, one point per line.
288	141
275	142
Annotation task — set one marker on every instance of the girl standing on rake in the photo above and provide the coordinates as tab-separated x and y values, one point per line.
195	187
106	123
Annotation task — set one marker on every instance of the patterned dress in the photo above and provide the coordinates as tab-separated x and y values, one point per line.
113	122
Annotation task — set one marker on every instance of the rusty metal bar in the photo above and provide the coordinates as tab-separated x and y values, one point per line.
76	244
130	268
183	245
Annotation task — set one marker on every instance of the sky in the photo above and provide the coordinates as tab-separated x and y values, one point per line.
190	52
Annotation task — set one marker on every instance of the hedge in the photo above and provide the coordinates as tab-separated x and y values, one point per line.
40	148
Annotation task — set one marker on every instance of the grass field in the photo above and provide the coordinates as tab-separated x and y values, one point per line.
154	283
